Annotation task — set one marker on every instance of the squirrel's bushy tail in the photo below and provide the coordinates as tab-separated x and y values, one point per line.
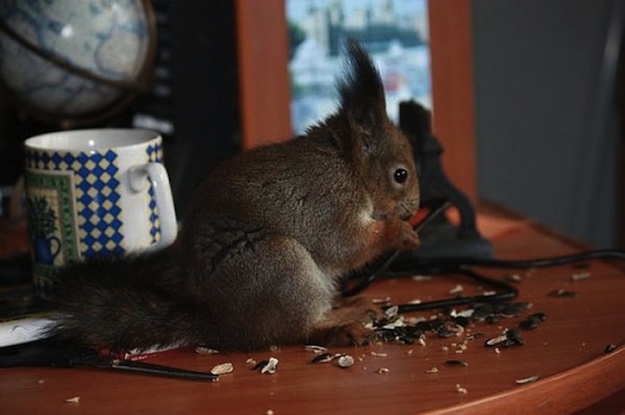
126	304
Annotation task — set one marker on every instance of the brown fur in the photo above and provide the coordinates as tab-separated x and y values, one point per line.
264	242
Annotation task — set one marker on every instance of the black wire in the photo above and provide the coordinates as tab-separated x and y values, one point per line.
453	262
460	265
507	292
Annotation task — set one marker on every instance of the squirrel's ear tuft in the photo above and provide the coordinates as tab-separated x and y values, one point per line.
361	89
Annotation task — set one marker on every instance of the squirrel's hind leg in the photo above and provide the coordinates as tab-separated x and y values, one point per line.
291	300
270	292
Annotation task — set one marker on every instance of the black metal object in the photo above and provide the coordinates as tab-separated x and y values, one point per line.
441	238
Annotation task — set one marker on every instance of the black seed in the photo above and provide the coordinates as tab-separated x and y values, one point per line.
406	340
514	336
511	337
499	307
412	331
462	321
444	333
436	324
387	334
539	316
478	316
510	343
532	321
453	362
481	313
528	324
381	322
322	358
503	343
423	326
485	308
492	319
260	365
609	348
514	309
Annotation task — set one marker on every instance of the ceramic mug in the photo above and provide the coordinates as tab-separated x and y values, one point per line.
95	193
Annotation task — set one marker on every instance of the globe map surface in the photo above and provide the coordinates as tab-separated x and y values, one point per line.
108	38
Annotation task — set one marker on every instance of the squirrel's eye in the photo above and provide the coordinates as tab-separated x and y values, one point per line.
400	175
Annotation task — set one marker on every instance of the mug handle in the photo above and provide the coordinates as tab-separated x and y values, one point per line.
159	179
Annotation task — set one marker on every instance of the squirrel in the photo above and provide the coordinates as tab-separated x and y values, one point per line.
264	242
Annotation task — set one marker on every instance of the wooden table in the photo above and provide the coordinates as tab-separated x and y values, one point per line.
566	352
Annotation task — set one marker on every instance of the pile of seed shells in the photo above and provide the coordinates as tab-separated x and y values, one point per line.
392	327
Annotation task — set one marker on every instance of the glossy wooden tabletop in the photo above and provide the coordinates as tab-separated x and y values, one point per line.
567	353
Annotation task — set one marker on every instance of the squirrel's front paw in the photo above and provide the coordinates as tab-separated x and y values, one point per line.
409	238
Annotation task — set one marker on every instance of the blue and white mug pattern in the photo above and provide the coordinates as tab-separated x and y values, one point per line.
80	202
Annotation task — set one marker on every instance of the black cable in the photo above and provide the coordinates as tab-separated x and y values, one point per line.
460	265
506	292
454	262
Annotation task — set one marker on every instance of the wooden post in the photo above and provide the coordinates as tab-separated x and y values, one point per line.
452	90
263	72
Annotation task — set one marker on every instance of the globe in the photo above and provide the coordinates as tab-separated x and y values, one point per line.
68	59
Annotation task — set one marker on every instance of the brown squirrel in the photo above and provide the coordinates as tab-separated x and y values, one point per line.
264	242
